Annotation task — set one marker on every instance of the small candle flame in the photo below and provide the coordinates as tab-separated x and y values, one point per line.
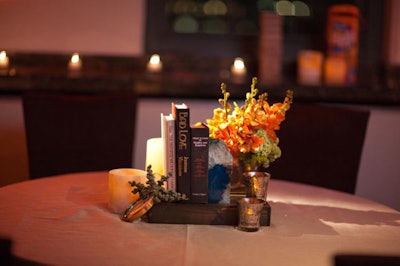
155	59
75	58
3	61
238	69
256	186
239	63
154	65
3	55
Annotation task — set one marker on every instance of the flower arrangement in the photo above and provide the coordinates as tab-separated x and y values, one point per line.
249	131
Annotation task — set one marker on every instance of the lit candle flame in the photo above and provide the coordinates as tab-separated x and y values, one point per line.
238	68
75	65
256	186
155	59
75	58
239	63
154	64
3	60
3	55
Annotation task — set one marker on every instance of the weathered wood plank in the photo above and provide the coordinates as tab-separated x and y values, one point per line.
196	213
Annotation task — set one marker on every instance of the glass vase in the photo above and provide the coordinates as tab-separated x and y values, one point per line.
239	174
236	178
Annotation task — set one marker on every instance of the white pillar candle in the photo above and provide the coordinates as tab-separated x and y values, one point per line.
154	65
154	155
3	59
120	191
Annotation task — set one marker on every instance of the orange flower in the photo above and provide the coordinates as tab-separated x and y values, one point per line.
250	130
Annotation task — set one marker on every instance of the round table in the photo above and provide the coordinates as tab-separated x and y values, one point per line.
64	220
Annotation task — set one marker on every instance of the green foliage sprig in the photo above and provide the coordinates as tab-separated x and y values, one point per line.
155	189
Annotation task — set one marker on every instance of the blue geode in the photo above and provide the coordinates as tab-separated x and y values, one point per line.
218	183
219	167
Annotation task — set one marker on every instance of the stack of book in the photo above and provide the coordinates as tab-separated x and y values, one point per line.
185	153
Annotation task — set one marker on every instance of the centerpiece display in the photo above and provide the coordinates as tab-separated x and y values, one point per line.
211	163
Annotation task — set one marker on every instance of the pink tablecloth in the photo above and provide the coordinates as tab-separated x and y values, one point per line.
64	220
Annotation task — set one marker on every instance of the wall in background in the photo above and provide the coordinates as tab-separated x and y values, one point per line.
379	172
103	27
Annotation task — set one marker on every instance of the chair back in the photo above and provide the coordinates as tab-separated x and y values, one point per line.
78	132
321	145
366	260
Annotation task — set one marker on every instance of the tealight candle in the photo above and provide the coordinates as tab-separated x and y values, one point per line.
250	213
154	155
335	71
154	65
75	63
120	191
3	59
256	184
238	68
309	67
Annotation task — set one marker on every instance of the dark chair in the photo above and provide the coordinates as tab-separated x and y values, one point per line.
366	260
321	145
78	132
9	259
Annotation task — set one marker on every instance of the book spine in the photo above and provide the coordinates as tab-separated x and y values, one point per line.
170	153
182	149
199	164
164	142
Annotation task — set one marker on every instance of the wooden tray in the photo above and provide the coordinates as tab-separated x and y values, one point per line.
195	213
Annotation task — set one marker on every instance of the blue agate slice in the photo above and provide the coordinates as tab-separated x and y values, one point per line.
219	167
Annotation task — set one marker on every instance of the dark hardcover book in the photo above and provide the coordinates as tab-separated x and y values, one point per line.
199	163
181	115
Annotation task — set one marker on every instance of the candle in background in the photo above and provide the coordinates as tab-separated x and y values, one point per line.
309	67
335	71
75	63
3	59
238	68
154	65
120	191
154	155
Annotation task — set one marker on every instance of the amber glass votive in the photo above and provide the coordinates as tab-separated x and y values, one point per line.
256	184
249	214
